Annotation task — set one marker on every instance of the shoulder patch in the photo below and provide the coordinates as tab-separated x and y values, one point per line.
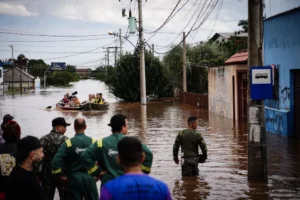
68	142
99	143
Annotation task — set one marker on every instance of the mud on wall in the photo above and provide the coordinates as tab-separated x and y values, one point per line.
220	91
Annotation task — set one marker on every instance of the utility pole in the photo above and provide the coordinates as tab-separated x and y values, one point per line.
12	69
116	50
153	49
120	38
257	150
184	63
107	56
142	56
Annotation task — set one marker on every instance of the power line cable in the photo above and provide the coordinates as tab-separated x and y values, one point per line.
45	35
79	53
79	40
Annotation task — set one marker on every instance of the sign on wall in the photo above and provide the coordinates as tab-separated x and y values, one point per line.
58	66
261	83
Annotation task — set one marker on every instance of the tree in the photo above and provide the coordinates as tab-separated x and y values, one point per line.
124	79
37	67
244	24
198	59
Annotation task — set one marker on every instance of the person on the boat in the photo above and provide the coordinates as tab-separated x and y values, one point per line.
65	100
94	96
90	100
74	102
97	98
101	100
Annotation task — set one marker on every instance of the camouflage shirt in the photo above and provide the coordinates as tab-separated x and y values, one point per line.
189	140
51	143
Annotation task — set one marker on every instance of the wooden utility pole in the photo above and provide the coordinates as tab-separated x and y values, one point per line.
153	49
120	40
184	63
142	56
13	69
257	150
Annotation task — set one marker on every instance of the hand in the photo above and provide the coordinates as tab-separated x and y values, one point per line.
63	179
99	177
176	162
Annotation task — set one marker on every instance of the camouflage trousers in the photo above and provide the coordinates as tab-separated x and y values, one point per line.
49	191
189	166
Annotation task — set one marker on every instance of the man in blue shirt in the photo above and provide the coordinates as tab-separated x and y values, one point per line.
134	184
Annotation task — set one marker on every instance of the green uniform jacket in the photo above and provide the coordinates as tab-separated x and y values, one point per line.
189	140
69	154
105	152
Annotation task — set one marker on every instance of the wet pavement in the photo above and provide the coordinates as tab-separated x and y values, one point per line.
223	176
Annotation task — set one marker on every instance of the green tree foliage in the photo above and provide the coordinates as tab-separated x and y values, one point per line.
236	43
244	24
198	59
37	67
61	78
124	79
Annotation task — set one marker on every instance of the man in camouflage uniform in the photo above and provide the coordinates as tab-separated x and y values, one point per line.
51	143
189	140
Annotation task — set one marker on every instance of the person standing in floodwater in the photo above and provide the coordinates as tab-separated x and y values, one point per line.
79	183
189	140
51	143
105	152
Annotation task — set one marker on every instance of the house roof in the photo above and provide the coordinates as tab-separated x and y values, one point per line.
25	76
239	57
228	35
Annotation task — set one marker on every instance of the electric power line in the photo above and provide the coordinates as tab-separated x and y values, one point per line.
58	40
79	53
45	35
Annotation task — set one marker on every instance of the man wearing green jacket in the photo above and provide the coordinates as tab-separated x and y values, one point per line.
104	152
190	140
79	183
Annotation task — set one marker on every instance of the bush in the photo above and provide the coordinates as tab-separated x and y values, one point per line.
124	80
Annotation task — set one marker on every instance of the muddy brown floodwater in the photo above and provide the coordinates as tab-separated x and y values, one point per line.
223	176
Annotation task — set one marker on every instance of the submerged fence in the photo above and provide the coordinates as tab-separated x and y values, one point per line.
194	99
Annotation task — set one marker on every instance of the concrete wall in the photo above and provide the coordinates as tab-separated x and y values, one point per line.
220	90
24	85
282	47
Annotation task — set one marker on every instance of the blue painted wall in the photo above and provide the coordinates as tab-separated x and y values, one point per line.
282	47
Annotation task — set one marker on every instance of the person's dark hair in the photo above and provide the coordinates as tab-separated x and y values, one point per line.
79	124
100	94
191	120
11	131
130	151
117	122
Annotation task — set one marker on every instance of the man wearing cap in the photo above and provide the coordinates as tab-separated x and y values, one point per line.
80	183
105	152
23	182
51	143
6	118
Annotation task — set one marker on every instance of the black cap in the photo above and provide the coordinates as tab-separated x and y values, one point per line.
7	117
28	144
59	121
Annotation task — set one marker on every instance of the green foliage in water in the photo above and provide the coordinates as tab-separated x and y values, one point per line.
124	79
63	77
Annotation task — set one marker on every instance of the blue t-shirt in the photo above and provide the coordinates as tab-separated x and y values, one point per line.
135	187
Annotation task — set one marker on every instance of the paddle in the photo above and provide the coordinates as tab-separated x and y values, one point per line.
74	93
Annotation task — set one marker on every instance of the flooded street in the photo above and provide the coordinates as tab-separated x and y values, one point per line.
223	176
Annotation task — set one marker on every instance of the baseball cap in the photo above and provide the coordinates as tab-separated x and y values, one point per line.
60	121
26	145
7	117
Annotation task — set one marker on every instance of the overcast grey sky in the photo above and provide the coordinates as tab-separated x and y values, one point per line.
97	17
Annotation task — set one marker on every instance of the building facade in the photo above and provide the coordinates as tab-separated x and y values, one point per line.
227	88
281	50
